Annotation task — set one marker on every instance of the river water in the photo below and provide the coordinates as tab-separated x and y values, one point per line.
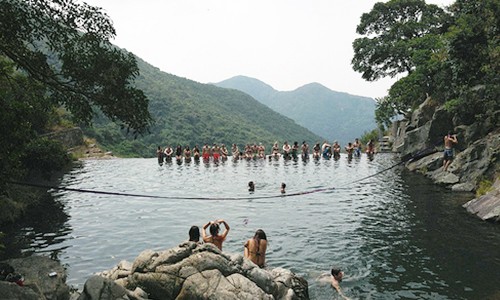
395	234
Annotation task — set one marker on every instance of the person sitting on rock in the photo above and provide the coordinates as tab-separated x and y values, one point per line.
255	248
194	234
215	238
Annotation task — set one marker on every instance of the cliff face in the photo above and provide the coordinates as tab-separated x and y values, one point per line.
476	156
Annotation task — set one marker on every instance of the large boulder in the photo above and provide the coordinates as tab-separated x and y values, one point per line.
193	271
487	206
44	278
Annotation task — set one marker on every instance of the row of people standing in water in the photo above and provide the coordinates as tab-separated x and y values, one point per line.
287	151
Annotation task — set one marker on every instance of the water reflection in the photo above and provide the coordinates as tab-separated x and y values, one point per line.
42	230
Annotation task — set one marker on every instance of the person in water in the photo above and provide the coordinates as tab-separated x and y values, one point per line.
305	150
178	153
336	150
317	151
168	153
159	154
255	248
194	234
196	153
283	186
295	150
349	149
286	150
251	186
337	275
357	147
214	237
449	141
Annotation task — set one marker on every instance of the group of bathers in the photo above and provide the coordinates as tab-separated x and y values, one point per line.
288	151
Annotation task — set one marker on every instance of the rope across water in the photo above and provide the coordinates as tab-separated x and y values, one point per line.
206	198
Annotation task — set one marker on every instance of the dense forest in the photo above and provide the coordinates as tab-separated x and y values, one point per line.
191	113
451	55
333	115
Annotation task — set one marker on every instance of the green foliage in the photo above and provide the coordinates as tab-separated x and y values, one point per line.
44	155
64	46
484	187
369	135
453	57
394	34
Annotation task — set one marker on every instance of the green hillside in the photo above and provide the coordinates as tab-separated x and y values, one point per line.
191	113
334	115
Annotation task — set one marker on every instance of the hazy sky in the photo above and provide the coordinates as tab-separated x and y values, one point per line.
285	43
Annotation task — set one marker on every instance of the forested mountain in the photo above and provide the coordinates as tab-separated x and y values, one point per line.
191	113
333	115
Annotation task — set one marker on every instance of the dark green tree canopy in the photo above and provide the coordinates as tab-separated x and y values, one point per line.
451	56
66	47
392	32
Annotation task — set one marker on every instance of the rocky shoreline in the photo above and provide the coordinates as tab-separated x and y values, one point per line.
188	271
477	155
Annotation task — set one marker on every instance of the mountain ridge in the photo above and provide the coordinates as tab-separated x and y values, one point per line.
331	114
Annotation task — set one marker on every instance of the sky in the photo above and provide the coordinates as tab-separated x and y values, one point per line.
284	43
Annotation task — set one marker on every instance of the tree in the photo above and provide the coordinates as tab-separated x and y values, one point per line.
393	33
66	47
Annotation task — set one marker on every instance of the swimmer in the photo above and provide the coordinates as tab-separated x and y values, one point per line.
283	186
251	186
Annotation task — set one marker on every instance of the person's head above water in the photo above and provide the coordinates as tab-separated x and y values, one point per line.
337	273
251	186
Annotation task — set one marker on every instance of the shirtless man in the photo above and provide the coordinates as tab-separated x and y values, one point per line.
334	278
305	150
286	150
336	150
235	151
449	141
349	149
223	151
168	153
262	151
206	152
357	147
317	151
216	152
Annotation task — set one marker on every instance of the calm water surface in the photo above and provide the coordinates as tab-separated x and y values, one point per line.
395	234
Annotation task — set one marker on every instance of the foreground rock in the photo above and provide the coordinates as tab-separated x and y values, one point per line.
487	207
192	271
37	282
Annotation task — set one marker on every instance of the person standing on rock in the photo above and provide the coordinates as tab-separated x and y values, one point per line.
449	141
255	248
214	237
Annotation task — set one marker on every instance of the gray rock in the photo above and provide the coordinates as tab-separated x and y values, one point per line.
12	291
487	206
193	271
100	288
35	270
